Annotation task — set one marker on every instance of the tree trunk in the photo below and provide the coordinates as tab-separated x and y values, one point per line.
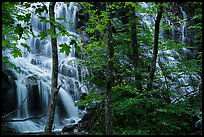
54	90
155	50
109	77
135	47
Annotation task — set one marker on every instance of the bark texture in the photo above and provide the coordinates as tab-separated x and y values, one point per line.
54	90
109	76
135	47
155	50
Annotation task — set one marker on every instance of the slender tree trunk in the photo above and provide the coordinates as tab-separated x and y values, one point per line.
155	50
135	47
54	90
109	77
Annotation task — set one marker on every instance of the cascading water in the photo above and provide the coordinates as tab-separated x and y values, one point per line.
34	82
183	26
181	83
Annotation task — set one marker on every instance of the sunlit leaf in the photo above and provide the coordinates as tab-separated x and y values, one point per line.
14	38
65	48
49	31
42	35
69	22
55	35
61	19
80	44
5	43
16	52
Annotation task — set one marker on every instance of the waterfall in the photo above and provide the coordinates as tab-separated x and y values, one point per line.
183	26
180	83
35	79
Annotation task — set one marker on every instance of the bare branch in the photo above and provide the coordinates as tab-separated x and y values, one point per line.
58	89
19	120
16	108
185	95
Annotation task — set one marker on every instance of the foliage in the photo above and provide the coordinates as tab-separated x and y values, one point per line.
134	112
145	112
149	115
8	64
89	99
12	32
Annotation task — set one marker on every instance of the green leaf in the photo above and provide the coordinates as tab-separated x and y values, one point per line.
80	44
26	46
27	5
44	8
43	19
20	17
7	62
5	43
14	38
73	42
64	32
19	30
55	35
39	10
49	31
69	22
65	48
27	17
78	50
16	53
33	6
61	19
42	35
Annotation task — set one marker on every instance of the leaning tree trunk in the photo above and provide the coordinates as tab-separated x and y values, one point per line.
155	50
54	90
109	77
135	47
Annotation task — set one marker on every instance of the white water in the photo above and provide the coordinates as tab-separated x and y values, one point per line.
181	82
37	65
183	26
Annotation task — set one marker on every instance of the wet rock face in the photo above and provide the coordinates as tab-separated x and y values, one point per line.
9	95
61	109
174	8
34	97
82	18
69	128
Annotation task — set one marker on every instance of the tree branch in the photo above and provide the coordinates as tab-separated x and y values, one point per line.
184	96
16	108
19	120
58	89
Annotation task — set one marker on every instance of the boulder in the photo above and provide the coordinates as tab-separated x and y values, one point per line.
198	124
9	92
84	123
34	96
69	128
83	96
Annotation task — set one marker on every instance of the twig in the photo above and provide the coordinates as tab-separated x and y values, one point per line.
184	96
58	89
19	120
16	108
